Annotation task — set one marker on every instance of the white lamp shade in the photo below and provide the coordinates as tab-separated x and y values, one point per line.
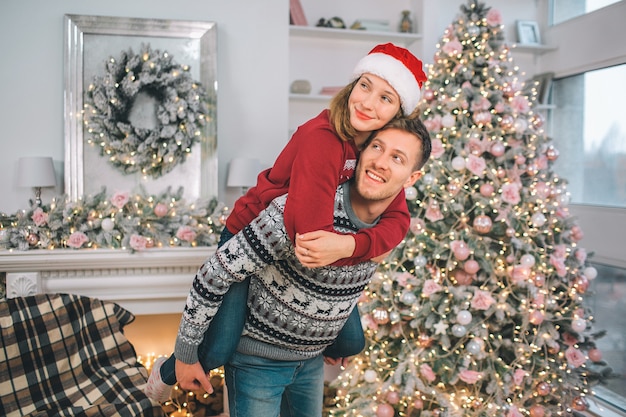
36	171
242	172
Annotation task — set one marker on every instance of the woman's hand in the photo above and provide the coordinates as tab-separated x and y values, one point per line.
321	248
192	377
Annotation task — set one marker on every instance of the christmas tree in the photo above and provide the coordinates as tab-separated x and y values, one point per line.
479	312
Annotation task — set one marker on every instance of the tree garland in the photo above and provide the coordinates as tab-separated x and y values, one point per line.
182	111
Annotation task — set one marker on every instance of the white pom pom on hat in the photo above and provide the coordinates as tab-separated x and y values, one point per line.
399	67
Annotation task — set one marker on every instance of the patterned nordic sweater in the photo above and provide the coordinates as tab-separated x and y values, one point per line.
294	312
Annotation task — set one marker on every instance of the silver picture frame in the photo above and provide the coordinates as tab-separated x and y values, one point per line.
89	42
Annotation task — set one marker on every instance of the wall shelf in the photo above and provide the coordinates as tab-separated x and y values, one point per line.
310	97
536	49
350	34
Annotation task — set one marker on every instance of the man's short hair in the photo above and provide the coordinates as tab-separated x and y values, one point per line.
415	126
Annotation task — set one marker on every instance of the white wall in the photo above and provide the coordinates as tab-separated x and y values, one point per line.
252	74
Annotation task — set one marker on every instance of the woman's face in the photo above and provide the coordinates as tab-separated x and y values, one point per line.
373	103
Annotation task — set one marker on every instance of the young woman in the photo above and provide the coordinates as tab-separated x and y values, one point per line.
321	155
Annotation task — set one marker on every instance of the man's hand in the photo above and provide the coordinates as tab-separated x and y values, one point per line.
192	377
336	361
321	248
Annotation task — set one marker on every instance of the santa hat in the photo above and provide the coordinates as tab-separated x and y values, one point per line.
399	67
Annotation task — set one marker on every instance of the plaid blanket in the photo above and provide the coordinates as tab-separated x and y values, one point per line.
66	355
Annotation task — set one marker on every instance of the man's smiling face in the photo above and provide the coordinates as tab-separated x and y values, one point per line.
387	165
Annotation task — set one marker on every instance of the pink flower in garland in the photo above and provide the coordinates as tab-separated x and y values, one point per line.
520	104
470	377
138	242
433	213
494	18
518	376
433	124
119	200
482	300
427	372
437	148
575	357
39	217
510	193
430	287
476	165
453	47
77	239
186	233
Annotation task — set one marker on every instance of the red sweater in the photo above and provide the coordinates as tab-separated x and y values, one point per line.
310	168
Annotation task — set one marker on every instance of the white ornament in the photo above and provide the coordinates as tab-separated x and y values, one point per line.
590	272
527	260
408	298
578	325
420	261
458	163
458	330
428	179
464	317
369	376
107	224
475	346
410	193
448	120
538	219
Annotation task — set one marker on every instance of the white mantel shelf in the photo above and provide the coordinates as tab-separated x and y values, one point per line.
154	281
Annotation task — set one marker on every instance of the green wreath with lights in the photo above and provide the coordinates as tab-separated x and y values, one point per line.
182	110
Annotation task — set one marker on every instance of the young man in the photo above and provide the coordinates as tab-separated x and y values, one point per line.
294	312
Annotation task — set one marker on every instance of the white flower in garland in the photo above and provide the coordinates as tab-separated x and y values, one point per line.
182	110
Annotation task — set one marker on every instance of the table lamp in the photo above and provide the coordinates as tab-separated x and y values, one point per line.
242	172
36	172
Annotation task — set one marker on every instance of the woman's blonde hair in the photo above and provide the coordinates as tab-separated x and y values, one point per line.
340	112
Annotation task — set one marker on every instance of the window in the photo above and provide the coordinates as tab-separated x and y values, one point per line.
590	134
563	10
607	300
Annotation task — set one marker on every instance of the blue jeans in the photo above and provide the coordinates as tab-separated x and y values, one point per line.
265	387
222	337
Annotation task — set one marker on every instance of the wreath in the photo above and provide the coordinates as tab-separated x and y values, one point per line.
182	110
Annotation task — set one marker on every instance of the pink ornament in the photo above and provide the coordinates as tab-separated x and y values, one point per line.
460	250
497	149
486	190
595	355
471	266
429	94
580	404
539	280
462	277
581	284
552	153
393	397
160	210
418	404
381	315
384	410
482	224
537	411
507	121
453	188
543	388
32	239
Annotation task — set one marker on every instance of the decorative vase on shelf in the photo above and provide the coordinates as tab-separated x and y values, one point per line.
406	24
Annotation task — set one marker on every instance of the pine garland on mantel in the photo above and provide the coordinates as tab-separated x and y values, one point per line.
121	221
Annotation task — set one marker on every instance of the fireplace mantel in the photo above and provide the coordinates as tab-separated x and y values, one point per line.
153	281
